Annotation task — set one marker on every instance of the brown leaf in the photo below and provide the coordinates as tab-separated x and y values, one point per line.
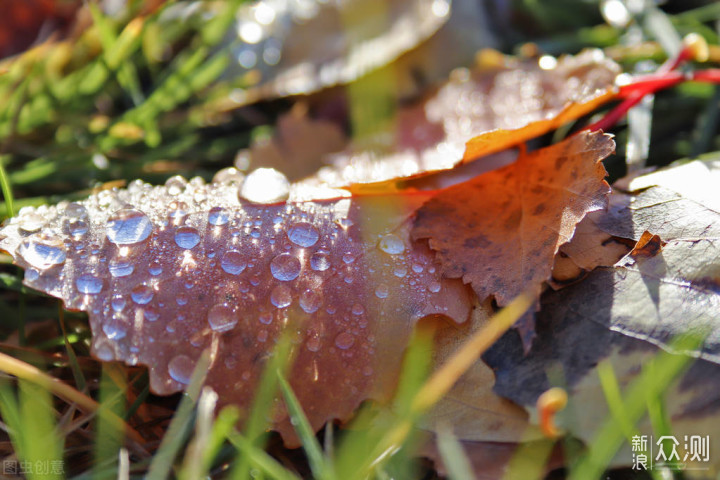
501	231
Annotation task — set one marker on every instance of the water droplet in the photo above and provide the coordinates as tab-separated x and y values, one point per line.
31	222
265	318
114	328
232	262
104	353
31	274
262	335
344	340
310	301
120	268
229	175
77	228
319	262
281	296
382	291
391	244
75	211
221	318
313	342
265	185
434	287
150	314
181	299
89	284
218	216
186	237
142	294
128	226
155	268
348	258
417	268
176	185
303	234
118	303
358	309
400	272
43	253
285	267
181	368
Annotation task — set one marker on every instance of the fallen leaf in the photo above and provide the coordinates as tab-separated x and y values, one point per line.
501	231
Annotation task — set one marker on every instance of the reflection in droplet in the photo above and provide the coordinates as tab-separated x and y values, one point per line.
391	244
89	284
285	267
43	253
128	226
187	237
310	301
303	234
232	262
142	294
281	296
221	318
218	216
265	185
181	368
344	340
320	262
119	267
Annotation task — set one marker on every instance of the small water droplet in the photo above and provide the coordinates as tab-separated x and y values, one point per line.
181	299
142	294
77	228
382	291
128	226
344	340
262	335
150	314
400	272
391	244
218	216
187	237
176	185
155	268
181	368
319	262
31	222
118	303
104	353
265	185
310	301
358	309
281	296
31	274
221	318
434	287
119	267
303	234
114	328
285	267
44	252
75	211
232	262
348	258
313	342
265	318
89	284
417	268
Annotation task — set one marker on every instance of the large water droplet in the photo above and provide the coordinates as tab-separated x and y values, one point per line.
43	253
391	244
281	296
344	340
119	267
218	216
181	368
89	284
221	318
186	237
142	294
310	301
303	234
285	267
128	226
265	185
320	262
232	262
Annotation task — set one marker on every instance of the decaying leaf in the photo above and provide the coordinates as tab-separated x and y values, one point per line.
501	231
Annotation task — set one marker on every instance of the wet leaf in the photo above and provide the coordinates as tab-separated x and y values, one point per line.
166	272
501	231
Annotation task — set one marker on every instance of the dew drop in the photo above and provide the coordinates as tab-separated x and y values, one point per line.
43	253
31	274
265	318
344	340
281	296
155	268
142	294
382	291
285	267
313	342
310	301
31	222
180	368
218	216
186	237
434	287
89	284
150	314
319	262
348	258
391	244
262	335
120	268
400	272
114	328
104	353
128	226
417	268
118	303
232	262
221	318
181	299
176	185
303	234
265	185
77	228
358	309
75	211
